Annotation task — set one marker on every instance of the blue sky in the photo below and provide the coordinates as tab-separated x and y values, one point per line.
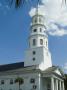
14	32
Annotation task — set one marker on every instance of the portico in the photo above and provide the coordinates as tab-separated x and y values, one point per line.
52	80
52	83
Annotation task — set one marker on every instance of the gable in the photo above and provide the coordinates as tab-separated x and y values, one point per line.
59	72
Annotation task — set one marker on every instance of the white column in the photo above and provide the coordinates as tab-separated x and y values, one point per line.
63	86
60	85
56	84
52	83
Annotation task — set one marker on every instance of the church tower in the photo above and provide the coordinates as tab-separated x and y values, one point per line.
38	53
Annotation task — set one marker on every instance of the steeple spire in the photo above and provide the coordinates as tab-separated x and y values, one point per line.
38	52
36	12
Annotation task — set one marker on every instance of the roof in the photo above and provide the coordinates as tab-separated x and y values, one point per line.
12	66
20	65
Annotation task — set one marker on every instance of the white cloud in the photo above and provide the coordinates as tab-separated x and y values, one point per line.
58	32
65	67
54	12
63	18
54	30
32	11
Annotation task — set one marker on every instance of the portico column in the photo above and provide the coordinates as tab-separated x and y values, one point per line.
56	84
63	86
60	85
52	83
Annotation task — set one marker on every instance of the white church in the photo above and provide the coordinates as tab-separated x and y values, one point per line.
37	70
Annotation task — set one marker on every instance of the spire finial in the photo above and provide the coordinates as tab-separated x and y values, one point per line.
37	6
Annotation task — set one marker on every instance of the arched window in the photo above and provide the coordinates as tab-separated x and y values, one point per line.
40	29
41	41
35	20
39	19
34	42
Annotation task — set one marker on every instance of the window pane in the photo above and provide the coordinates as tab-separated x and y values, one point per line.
32	80
34	86
11	81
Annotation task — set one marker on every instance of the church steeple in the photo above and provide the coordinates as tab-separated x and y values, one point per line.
38	53
38	31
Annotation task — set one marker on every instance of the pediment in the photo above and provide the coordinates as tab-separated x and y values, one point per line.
59	71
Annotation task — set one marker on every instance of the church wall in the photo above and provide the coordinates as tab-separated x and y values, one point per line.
29	56
27	83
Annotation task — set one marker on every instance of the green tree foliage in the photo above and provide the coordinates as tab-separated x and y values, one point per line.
65	81
19	80
19	2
